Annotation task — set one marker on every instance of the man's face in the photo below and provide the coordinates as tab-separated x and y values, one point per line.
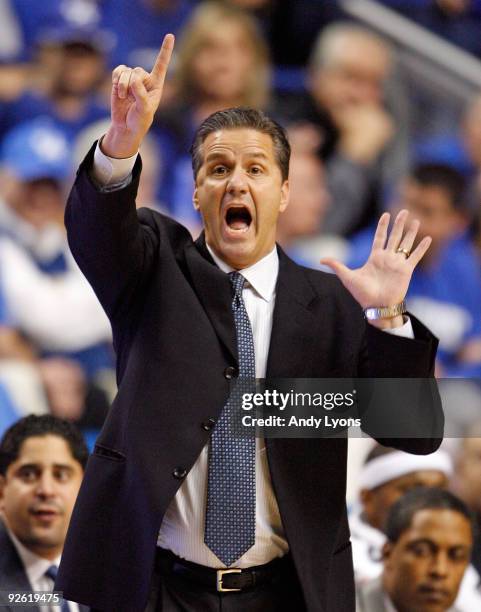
239	192
424	568
38	493
354	76
39	202
377	502
308	198
81	70
433	207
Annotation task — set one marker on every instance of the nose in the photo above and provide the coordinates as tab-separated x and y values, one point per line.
237	184
46	485
440	566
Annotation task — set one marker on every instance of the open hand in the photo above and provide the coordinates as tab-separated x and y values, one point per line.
384	279
135	97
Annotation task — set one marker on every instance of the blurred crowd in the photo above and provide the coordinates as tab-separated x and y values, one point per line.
357	151
365	139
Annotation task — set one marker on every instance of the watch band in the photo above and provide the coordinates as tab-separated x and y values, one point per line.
385	312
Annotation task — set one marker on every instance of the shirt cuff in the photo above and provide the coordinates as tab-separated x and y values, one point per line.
405	331
110	172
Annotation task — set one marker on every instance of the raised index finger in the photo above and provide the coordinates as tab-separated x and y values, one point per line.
162	62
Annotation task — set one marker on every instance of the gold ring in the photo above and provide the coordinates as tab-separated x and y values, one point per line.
405	252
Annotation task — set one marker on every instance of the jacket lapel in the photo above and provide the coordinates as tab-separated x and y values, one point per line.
293	327
213	289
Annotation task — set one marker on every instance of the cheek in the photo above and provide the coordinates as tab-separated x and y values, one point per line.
456	572
411	572
69	495
16	501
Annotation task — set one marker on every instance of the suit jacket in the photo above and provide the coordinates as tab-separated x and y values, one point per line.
174	335
370	597
12	571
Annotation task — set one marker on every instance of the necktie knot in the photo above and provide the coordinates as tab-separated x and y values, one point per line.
237	281
52	572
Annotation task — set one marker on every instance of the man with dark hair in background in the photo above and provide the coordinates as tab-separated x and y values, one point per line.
42	461
386	476
184	515
429	541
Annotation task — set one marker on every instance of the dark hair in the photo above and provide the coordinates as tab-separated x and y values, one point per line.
243	117
445	177
41	425
422	498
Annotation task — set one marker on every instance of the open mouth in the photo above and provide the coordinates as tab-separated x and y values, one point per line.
238	218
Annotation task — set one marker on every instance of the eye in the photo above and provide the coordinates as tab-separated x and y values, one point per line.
28	474
421	549
219	170
256	170
62	475
459	554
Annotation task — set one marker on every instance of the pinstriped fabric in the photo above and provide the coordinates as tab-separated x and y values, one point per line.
231	491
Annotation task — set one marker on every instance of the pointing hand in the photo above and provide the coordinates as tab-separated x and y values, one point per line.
135	97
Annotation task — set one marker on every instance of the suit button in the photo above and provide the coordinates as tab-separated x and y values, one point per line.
179	473
208	425
230	372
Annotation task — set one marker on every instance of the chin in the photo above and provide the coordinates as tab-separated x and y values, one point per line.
238	256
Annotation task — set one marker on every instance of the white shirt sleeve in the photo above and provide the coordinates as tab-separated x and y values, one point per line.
405	331
110	172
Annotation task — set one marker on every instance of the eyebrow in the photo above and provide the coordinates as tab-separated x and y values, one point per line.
422	541
218	155
434	544
36	466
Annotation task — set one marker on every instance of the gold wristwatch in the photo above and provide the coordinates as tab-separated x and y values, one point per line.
385	312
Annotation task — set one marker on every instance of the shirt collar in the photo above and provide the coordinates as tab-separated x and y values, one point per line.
262	275
35	566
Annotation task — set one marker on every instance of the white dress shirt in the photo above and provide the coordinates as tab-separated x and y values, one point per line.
182	529
35	568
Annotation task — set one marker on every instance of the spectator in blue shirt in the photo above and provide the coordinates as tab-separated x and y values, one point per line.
72	97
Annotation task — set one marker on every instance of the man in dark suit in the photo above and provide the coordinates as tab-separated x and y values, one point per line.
42	460
182	515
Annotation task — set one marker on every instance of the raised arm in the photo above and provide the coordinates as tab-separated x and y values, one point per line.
114	251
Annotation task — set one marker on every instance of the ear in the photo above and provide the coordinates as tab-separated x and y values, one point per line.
386	551
195	199
2	488
284	196
461	221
